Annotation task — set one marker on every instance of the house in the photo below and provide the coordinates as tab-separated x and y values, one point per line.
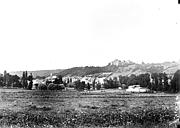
51	78
71	79
36	82
137	88
87	79
100	80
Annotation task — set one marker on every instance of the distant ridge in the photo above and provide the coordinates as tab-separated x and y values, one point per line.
119	67
83	71
116	67
41	73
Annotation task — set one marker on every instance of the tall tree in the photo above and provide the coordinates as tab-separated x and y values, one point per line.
60	79
30	78
176	82
1	81
155	81
166	85
123	79
24	80
5	78
144	80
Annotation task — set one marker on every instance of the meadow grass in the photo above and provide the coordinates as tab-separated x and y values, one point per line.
72	109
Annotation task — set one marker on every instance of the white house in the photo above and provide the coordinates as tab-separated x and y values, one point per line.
137	88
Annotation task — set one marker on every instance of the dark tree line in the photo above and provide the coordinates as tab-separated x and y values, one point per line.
111	83
155	81
124	81
160	82
81	85
8	80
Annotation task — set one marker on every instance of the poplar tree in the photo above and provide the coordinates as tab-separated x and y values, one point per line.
30	78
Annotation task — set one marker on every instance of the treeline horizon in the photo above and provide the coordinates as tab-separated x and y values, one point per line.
155	81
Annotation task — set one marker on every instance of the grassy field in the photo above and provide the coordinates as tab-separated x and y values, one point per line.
51	109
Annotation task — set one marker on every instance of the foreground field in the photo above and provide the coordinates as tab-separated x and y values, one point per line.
22	108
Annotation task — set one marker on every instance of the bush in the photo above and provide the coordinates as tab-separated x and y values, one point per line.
98	86
80	86
42	87
52	86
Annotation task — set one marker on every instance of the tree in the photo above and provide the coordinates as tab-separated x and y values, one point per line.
176	82
88	86
144	80
24	80
111	83
123	79
30	78
94	83
80	85
155	81
132	80
1	81
14	81
5	78
60	79
166	85
160	82
70	80
98	86
115	82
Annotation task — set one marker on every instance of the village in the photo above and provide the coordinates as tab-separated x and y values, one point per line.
104	81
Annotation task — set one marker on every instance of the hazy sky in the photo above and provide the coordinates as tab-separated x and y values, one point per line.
57	34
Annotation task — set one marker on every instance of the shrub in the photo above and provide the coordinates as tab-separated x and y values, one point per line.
42	87
98	86
52	86
80	85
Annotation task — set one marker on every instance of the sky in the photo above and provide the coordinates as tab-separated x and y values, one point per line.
59	34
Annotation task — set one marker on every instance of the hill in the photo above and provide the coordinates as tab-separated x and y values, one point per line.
41	73
128	67
83	71
116	67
